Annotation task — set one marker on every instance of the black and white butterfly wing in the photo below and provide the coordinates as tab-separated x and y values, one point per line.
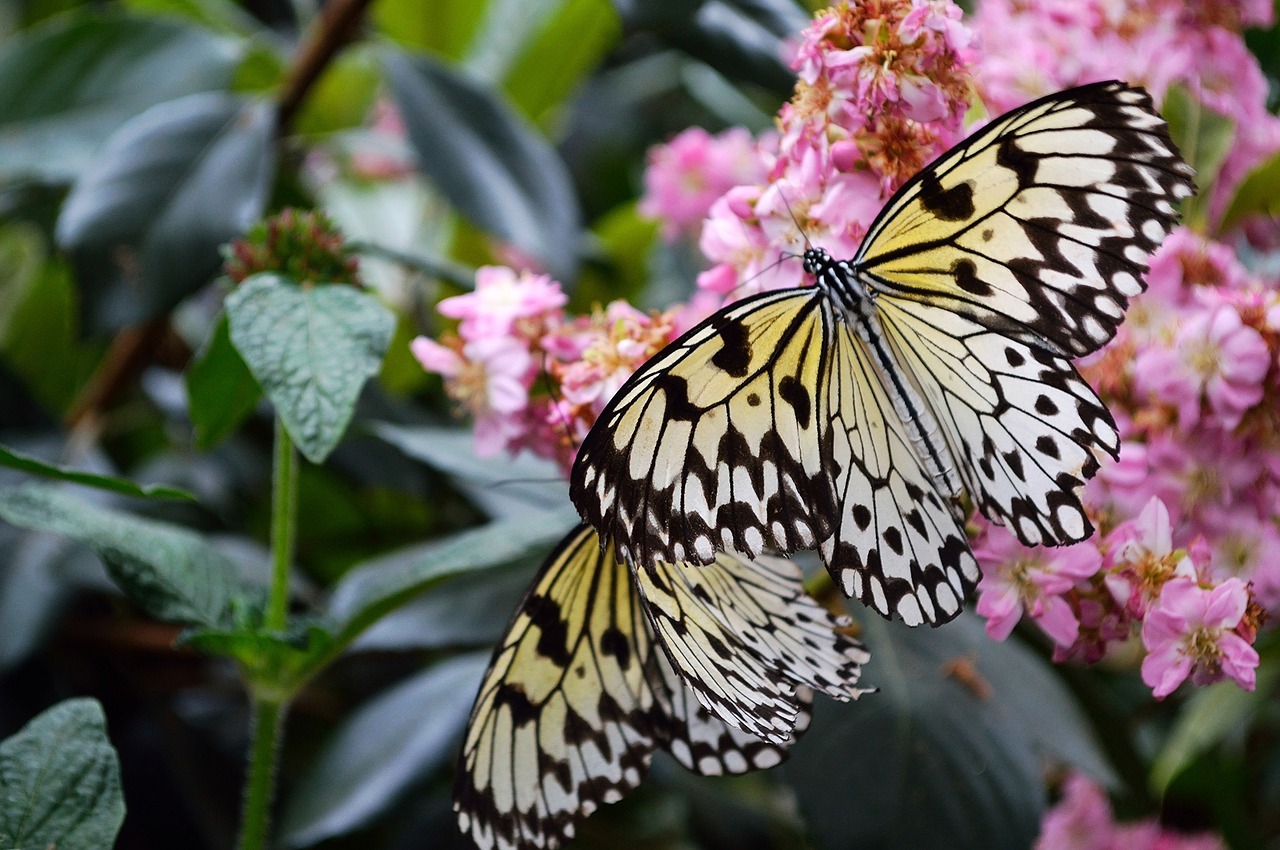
899	545
1040	225
714	444
748	640
576	699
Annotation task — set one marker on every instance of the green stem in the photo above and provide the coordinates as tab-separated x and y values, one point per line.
284	509
260	783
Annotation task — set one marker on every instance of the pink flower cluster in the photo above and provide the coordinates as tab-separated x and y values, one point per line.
1194	624
1083	820
1040	46
882	90
531	377
689	173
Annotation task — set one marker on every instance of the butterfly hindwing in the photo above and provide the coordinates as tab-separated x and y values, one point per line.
898	546
576	699
1025	429
714	443
747	639
1039	226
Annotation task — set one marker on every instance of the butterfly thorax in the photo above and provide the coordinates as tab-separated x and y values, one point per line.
854	304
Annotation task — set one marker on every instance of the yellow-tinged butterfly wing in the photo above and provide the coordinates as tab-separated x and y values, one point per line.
576	699
1025	429
1040	225
746	638
898	545
714	443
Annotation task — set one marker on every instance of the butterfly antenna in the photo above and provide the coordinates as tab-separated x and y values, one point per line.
795	221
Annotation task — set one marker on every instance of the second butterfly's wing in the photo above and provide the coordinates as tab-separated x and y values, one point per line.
714	444
898	545
1025	429
576	699
1040	225
748	640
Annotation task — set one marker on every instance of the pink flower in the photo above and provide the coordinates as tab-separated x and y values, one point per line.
686	175
1214	355
1080	821
501	297
1017	579
1190	632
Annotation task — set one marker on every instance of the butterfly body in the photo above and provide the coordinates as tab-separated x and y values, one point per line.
853	415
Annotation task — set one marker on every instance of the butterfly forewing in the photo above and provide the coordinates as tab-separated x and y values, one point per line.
714	443
898	545
1040	225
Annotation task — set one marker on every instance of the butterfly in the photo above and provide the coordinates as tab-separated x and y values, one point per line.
857	415
603	663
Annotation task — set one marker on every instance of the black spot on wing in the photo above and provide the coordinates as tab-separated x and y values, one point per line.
796	394
966	274
953	204
734	356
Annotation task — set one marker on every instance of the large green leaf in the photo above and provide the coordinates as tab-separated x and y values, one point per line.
1204	138
171	572
68	85
60	782
143	225
116	484
393	742
312	349
1256	195
948	754
374	588
493	167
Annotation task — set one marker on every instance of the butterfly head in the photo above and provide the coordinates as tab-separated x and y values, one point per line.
815	260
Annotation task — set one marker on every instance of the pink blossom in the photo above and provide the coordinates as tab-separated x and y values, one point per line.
1213	356
1017	579
1190	632
1081	820
686	175
501	297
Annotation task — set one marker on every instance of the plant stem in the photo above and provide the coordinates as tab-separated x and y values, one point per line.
260	782
284	509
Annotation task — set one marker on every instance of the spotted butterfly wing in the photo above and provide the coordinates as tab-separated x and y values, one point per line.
579	694
933	363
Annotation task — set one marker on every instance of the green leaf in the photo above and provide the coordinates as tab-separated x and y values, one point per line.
1256	195
342	97
143	225
222	15
495	169
68	85
369	591
26	463
311	349
278	662
444	27
1204	137
221	391
60	782
501	486
1210	716
171	572
396	740
558	57
959	730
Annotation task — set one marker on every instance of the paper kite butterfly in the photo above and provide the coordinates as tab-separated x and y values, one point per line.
855	416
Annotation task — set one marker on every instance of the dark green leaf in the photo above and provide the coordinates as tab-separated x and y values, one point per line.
66	86
15	460
169	571
656	14
311	349
948	754
471	609
1204	137
222	15
168	189
221	390
60	782
391	743
501	486
490	164
277	660
743	39
1256	195
372	589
